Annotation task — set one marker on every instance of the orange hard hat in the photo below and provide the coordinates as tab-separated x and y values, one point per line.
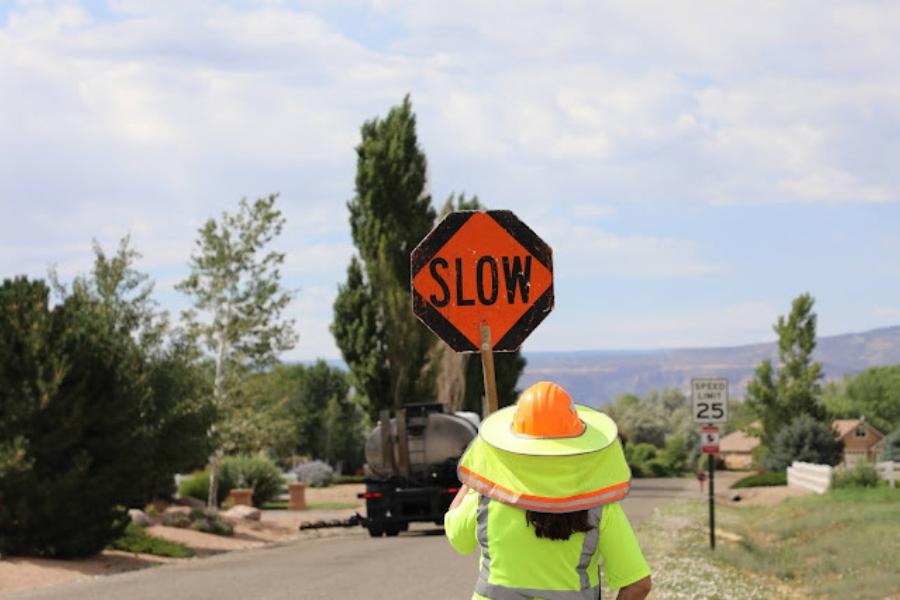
546	410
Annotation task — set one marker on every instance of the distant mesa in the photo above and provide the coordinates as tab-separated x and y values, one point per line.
597	377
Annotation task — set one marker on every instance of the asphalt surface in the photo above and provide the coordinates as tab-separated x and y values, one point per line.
416	565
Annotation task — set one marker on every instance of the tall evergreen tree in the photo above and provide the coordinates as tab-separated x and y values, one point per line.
384	345
74	437
779	395
508	366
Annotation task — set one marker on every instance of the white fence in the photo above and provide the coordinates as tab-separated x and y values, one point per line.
888	471
809	476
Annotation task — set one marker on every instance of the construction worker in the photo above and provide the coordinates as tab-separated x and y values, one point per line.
541	485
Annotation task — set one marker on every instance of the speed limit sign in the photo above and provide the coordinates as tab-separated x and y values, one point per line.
709	400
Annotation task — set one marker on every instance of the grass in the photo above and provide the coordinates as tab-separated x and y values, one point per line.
761	479
135	539
675	544
312	505
838	545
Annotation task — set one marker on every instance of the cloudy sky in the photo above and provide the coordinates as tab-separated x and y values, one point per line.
694	165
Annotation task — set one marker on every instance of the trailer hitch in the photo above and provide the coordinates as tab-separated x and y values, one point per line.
354	520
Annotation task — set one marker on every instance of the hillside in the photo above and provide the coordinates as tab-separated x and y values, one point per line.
596	378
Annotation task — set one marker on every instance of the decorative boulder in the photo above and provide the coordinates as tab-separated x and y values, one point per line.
139	517
243	512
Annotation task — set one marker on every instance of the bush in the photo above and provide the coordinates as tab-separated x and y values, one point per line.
762	479
199	520
639	457
74	437
807	440
252	471
890	447
197	486
862	474
135	539
314	473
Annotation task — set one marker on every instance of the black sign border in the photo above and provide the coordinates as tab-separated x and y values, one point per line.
432	244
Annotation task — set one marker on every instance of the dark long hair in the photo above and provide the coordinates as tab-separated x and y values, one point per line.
558	526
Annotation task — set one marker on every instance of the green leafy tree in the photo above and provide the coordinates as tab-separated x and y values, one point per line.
508	366
179	414
778	395
331	423
804	439
653	418
384	345
235	284
73	435
874	393
890	447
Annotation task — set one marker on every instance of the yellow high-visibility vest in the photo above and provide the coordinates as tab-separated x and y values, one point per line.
517	565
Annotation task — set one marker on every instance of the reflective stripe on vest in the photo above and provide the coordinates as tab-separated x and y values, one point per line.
499	592
486	487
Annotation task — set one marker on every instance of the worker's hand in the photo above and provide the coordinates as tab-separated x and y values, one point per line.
459	496
635	591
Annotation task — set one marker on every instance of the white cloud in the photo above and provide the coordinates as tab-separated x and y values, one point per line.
581	250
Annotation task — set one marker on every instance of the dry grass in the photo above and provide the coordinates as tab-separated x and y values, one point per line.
675	543
838	545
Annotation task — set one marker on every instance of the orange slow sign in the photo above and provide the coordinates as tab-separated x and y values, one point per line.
482	266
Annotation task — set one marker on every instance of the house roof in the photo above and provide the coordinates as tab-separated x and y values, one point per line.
845	426
738	441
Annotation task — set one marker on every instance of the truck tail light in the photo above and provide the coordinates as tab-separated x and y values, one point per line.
452	490
368	495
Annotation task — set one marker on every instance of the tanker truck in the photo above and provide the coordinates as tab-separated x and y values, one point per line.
411	466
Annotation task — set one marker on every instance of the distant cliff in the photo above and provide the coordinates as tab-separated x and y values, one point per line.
596	378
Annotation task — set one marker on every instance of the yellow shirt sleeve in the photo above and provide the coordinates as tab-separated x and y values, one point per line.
623	561
461	522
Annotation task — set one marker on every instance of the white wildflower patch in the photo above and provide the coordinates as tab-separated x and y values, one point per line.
676	544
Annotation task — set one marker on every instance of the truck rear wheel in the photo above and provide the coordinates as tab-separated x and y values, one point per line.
392	531
375	530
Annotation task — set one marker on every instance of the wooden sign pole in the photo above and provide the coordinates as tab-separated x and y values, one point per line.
487	365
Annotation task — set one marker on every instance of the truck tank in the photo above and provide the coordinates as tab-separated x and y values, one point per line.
435	440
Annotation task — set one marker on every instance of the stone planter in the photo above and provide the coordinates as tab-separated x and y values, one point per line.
241	496
297	496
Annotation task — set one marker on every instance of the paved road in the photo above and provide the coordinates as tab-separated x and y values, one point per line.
416	565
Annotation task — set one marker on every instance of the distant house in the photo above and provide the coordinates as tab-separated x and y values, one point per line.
861	440
736	449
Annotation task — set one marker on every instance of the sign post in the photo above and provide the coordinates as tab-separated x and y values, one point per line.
709	399
482	281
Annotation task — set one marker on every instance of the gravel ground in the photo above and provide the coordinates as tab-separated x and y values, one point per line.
675	543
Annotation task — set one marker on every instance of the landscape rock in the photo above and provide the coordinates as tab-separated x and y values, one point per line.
139	517
243	512
185	510
190	502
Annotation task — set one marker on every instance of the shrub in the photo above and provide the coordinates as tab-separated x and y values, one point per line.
807	440
199	520
176	519
197	486
762	479
862	474
252	471
314	473
890	447
74	438
135	539
639	457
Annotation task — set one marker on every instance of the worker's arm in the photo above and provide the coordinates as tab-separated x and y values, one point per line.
460	521
459	497
624	565
635	591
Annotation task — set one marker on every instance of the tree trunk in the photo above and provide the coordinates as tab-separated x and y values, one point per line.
212	499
